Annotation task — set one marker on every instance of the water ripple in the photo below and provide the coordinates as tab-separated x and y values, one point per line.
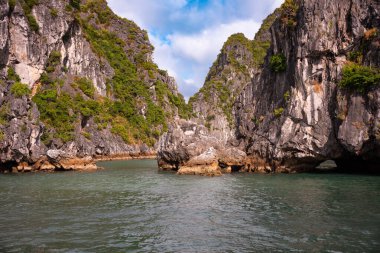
131	207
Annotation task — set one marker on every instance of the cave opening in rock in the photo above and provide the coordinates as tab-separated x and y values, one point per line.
328	165
7	166
236	168
358	165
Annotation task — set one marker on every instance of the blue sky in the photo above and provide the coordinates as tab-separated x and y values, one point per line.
188	34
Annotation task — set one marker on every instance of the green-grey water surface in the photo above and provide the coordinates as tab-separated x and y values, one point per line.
131	207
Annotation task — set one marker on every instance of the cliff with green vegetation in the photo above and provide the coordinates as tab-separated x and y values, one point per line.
77	81
233	69
238	62
304	91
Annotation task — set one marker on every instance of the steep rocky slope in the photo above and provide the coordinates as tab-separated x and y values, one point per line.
77	81
311	99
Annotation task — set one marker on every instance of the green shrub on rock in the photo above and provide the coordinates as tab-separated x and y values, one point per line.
278	112
54	13
55	112
53	61
287	96
359	78
12	75
259	51
32	22
75	4
19	89
85	86
355	56
278	63
289	13
45	79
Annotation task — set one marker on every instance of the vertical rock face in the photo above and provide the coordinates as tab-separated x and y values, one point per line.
230	73
94	89
293	114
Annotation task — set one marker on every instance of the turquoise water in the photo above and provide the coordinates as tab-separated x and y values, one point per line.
131	207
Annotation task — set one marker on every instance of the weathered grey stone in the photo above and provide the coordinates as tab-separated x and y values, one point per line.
189	148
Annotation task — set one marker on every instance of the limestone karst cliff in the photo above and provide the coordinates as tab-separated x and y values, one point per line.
305	90
77	81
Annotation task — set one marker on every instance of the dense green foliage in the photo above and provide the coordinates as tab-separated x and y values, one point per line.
86	86
12	75
32	22
359	78
237	38
100	8
59	111
19	89
128	110
289	12
259	51
278	63
55	111
45	79
127	86
238	60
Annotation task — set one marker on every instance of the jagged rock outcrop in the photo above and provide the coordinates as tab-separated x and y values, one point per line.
78	79
189	148
295	112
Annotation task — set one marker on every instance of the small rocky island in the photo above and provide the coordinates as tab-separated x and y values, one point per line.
78	84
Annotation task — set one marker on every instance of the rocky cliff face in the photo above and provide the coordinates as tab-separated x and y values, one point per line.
230	73
77	81
310	99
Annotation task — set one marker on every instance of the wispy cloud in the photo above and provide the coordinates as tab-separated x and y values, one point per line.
188	34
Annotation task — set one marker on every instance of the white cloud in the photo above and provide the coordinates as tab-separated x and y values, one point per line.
146	12
189	56
206	44
163	56
189	81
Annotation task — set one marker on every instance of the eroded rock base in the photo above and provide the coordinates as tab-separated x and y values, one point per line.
44	164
